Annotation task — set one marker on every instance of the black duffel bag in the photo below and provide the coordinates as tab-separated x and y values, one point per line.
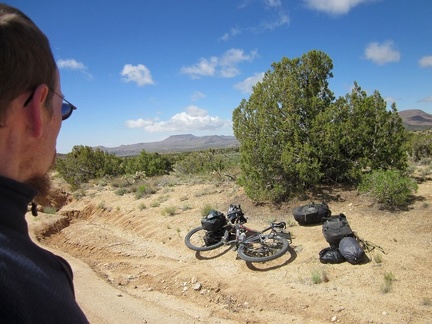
311	213
335	228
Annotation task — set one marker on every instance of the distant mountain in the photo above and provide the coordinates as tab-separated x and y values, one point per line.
175	143
413	119
416	119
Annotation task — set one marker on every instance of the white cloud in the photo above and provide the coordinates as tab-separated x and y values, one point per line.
193	119
223	66
334	7
427	99
246	85
273	3
72	64
204	67
281	20
138	123
232	33
382	53
197	95
426	61
268	23
139	74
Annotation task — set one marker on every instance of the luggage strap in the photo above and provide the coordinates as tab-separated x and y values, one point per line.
368	246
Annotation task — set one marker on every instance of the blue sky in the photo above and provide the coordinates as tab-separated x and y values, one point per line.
141	71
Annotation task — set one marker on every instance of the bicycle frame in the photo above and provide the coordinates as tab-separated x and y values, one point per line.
250	233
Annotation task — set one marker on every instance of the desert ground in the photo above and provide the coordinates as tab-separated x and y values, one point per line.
131	264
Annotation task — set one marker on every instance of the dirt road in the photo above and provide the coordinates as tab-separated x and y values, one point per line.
131	264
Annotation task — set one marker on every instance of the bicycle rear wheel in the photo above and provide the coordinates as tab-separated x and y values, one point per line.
198	239
259	249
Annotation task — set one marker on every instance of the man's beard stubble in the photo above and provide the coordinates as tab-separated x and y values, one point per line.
42	183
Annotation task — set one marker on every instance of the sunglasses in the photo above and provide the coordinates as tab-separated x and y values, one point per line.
66	109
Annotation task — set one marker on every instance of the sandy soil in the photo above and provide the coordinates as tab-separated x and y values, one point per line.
131	264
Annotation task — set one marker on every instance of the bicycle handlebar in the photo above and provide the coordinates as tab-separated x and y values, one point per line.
279	225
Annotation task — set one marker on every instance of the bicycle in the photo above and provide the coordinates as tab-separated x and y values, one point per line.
217	230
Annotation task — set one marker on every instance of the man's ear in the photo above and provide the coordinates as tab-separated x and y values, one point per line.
35	110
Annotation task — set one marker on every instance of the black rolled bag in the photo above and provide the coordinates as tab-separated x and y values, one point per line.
335	228
311	214
351	250
331	255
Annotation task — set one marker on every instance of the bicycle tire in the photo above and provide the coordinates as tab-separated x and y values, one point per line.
254	250
194	240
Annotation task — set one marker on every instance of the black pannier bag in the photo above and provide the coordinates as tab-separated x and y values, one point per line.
214	221
311	214
351	250
335	228
211	238
331	254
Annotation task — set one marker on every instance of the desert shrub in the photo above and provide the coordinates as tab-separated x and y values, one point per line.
121	191
387	285
200	162
319	276
155	203
49	210
169	211
85	163
389	188
143	190
185	207
152	164
221	163
420	146
377	257
205	210
102	205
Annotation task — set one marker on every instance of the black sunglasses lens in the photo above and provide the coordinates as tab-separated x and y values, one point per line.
66	110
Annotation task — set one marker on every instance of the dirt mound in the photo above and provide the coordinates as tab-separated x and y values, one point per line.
139	249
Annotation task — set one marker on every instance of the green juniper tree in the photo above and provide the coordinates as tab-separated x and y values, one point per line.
293	135
357	134
274	125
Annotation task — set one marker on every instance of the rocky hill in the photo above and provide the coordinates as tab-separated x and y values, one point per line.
175	143
416	119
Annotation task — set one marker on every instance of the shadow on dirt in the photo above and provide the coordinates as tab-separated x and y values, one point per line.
255	266
268	266
212	254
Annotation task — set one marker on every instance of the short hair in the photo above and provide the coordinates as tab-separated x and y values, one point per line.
26	59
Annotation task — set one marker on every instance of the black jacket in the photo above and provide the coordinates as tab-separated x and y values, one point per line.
35	285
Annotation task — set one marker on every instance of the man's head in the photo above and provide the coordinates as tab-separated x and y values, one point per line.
30	100
26	60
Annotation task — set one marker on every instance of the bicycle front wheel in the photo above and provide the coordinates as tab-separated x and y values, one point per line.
198	239
262	249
